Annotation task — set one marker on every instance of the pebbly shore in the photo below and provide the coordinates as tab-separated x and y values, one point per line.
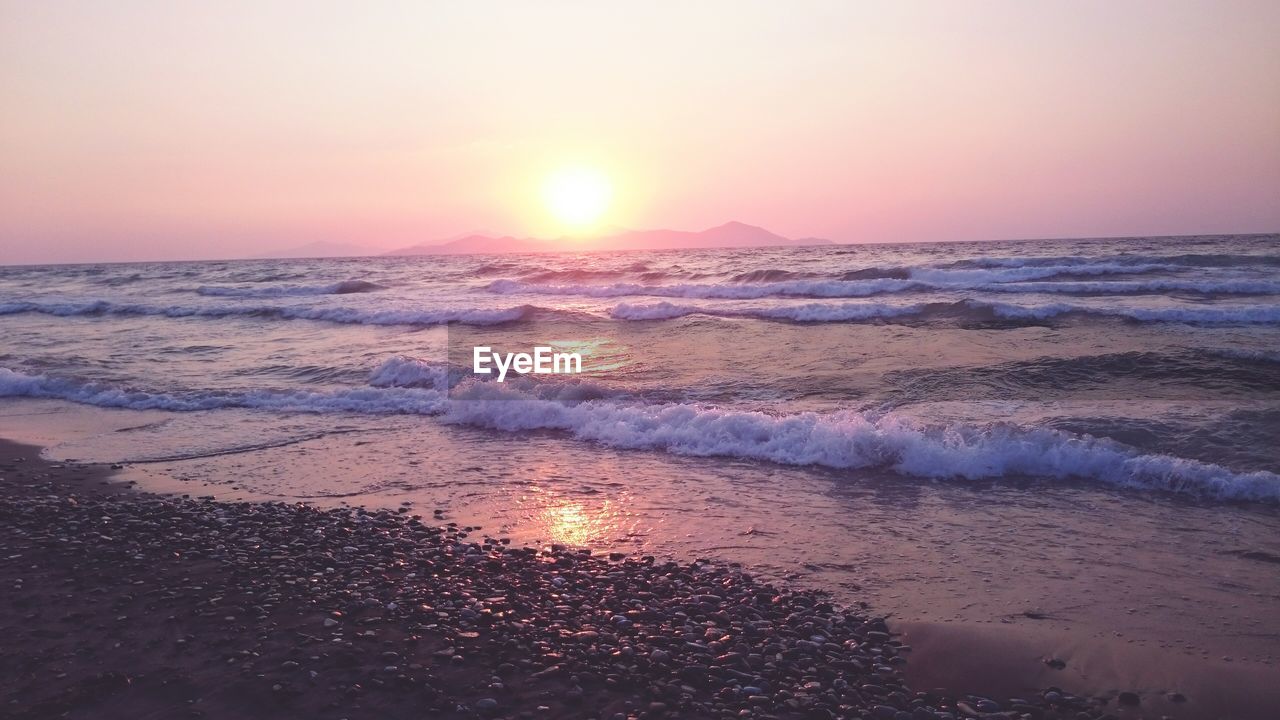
119	604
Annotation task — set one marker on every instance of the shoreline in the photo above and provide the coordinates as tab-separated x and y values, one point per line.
123	603
1102	659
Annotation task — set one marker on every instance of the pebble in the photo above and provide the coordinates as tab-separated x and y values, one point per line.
697	639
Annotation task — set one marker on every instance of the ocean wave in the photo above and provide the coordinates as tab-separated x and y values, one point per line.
346	287
1180	372
368	400
839	440
896	273
811	312
1138	287
851	440
348	316
496	268
547	276
1210	315
1247	354
771	275
401	371
1182	260
964	309
885	286
714	291
953	277
119	280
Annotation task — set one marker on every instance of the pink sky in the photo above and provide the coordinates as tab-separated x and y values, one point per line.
151	130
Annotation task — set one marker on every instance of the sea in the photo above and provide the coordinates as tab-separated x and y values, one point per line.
1085	430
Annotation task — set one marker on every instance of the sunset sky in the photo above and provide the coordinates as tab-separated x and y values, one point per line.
153	130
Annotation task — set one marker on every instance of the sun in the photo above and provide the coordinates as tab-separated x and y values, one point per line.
577	197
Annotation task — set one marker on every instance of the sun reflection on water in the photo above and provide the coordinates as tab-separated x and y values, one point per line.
562	520
599	354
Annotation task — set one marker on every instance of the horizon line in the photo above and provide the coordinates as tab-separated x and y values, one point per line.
828	243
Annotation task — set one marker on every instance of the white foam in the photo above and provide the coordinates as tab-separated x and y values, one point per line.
1006	280
969	277
850	440
855	311
356	400
715	291
840	440
809	312
401	371
345	315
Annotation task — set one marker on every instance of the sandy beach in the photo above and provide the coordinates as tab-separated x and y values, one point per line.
123	604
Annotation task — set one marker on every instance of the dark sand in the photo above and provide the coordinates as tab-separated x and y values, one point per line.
1015	657
120	604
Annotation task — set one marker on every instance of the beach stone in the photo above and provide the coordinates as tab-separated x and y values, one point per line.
436	619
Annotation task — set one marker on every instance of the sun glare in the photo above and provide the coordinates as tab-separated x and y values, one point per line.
577	197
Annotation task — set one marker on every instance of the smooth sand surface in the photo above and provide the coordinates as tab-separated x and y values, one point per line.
1018	659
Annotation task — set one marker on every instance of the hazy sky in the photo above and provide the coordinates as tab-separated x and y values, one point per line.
167	129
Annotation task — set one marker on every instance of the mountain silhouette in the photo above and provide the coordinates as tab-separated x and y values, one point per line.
730	234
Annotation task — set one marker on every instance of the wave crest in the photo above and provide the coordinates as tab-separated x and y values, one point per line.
343	315
371	401
401	371
977	310
851	440
839	440
346	287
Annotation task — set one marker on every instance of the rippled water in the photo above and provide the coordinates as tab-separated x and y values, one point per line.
1146	362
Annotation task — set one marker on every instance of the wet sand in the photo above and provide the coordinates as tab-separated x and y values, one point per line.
1018	658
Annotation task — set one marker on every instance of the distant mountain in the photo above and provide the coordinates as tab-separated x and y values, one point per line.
320	249
730	234
474	244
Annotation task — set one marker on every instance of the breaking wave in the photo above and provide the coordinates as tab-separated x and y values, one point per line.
851	288
965	309
400	371
839	440
349	316
812	312
714	291
853	440
354	400
1181	260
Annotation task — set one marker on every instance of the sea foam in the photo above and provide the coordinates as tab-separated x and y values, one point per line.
344	315
978	309
838	440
